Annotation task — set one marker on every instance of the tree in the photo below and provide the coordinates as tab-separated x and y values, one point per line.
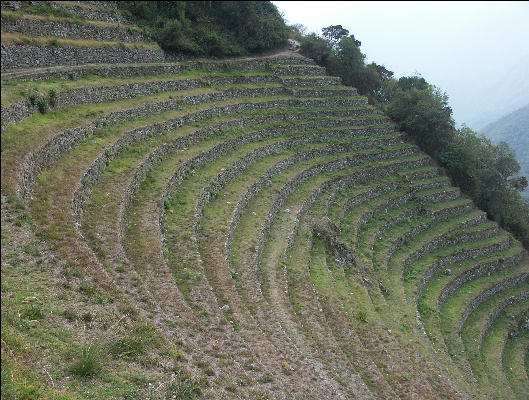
334	34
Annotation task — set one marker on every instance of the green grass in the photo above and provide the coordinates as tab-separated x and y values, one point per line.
9	38
513	363
492	348
14	90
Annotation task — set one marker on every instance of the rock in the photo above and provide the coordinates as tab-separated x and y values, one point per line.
293	45
383	289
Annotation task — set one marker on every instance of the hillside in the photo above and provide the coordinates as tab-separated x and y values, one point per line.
241	228
513	129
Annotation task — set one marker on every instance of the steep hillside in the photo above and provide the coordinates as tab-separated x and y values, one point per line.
513	129
245	228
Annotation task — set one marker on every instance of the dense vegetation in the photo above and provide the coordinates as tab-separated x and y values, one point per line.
210	28
484	171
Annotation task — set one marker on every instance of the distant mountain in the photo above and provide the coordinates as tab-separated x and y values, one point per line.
513	129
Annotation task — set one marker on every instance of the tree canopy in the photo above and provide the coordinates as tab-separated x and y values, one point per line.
210	28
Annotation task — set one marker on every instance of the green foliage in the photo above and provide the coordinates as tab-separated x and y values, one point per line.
32	312
46	9
52	98
87	363
42	104
220	29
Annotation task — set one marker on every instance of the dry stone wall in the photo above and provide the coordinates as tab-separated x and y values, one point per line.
478	271
153	68
71	30
66	140
16	56
491	291
95	14
99	94
523	296
449	239
461	255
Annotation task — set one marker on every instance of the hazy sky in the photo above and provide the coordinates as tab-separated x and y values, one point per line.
471	50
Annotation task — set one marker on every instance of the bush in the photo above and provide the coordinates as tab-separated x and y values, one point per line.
88	362
52	98
32	312
219	29
42	105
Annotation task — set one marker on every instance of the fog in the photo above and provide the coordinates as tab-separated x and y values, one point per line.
476	52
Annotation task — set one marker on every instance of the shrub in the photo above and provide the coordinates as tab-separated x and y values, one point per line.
221	29
32	312
42	105
32	99
52	98
361	316
88	362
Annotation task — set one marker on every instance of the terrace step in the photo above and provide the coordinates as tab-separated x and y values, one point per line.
21	55
69	29
494	343
120	70
513	363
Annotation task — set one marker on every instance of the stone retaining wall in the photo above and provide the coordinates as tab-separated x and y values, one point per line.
430	185
461	255
446	213
478	271
71	30
68	139
357	178
368	194
153	68
98	94
316	81
138	134
50	151
413	176
299	70
450	238
447	194
16	55
94	14
490	291
458	210
241	164
323	92
497	310
165	149
293	183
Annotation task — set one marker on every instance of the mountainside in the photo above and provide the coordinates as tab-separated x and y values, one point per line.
243	228
513	129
